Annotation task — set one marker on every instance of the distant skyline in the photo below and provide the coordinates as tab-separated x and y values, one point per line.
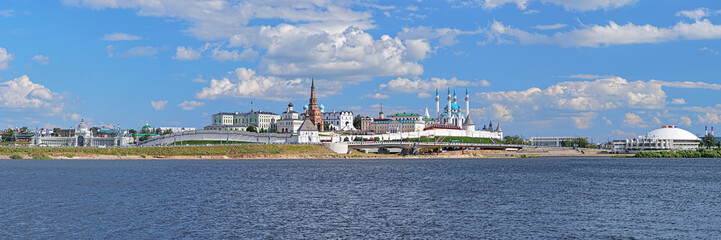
610	69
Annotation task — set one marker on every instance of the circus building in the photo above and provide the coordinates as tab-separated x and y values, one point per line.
662	139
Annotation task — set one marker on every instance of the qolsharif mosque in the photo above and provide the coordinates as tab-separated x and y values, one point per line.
82	136
452	120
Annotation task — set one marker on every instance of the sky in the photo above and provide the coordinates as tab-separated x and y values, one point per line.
606	69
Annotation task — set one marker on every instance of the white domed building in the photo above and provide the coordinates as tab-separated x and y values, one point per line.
82	136
662	139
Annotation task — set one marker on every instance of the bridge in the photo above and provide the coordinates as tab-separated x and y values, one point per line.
217	135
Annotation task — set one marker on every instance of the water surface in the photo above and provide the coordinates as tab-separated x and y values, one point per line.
439	198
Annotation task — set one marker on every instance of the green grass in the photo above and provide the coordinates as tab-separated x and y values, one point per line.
698	153
221	150
200	142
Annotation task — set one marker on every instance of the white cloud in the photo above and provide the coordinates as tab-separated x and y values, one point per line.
444	36
44	60
601	94
190	105
579	5
377	96
119	37
634	120
678	101
608	121
7	13
213	20
711	118
158	105
550	27
21	93
501	112
707	49
686	120
235	56
5	58
186	53
696	14
611	34
656	120
141	51
585	120
424	86
618	132
348	53
245	83
72	116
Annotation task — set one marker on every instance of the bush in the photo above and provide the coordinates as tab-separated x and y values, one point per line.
358	139
16	156
346	139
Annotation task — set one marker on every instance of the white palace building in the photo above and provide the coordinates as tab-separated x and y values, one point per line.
83	137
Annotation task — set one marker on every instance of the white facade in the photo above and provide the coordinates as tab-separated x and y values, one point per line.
307	133
664	138
551	141
290	122
339	120
241	121
83	138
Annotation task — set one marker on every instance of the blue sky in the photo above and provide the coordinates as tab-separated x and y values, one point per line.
609	69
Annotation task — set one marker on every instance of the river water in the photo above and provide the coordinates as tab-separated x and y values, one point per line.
321	199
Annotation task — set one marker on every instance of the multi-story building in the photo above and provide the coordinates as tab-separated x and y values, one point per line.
241	121
400	122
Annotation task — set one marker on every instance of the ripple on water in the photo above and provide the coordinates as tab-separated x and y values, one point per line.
456	198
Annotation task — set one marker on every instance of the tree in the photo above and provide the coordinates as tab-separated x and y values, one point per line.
357	121
326	126
57	130
709	141
167	131
7	135
515	140
132	132
376	139
251	129
358	139
579	142
143	138
346	139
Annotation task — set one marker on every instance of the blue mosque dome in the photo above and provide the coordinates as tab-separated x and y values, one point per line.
321	107
305	107
454	106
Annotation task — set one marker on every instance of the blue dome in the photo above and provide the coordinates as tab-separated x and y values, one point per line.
455	106
321	107
305	107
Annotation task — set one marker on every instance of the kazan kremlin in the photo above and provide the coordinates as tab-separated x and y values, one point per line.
337	126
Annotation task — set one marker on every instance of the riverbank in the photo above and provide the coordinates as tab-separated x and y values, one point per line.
263	151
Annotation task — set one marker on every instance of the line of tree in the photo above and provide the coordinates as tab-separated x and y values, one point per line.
579	143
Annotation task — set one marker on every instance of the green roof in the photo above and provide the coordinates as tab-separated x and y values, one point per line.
404	115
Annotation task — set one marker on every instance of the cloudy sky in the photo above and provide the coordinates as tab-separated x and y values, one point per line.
609	69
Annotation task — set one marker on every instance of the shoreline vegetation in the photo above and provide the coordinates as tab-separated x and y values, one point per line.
697	153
